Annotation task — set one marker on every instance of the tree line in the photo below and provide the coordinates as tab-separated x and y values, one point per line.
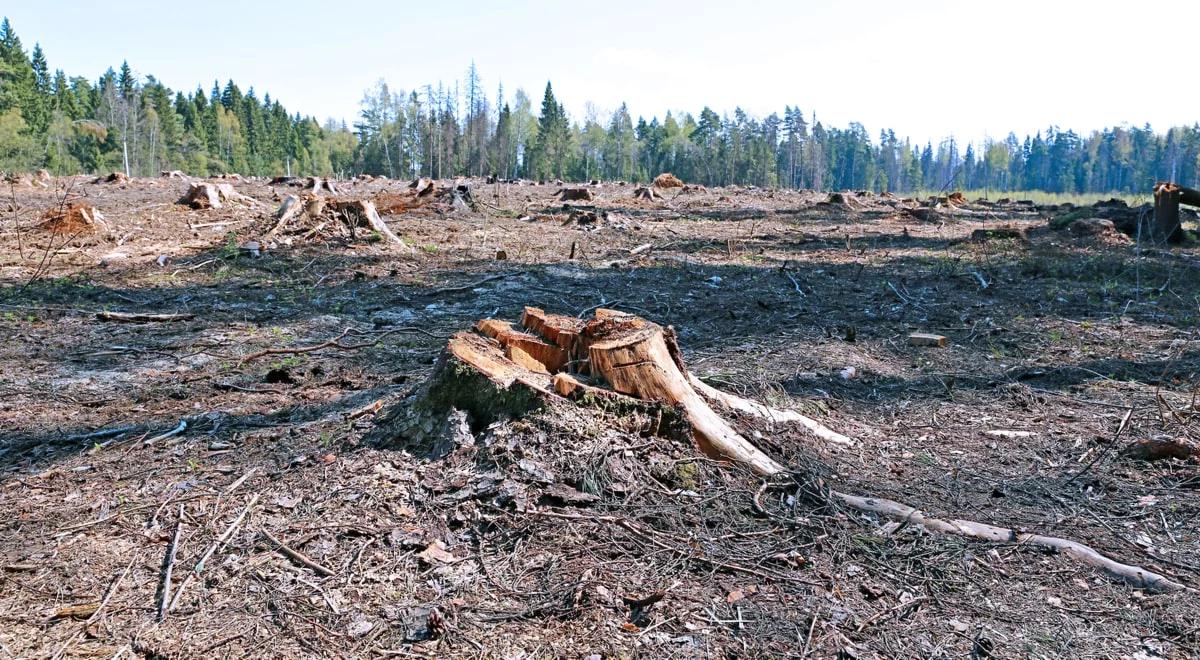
123	121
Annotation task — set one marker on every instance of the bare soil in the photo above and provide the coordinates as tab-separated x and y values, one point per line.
574	532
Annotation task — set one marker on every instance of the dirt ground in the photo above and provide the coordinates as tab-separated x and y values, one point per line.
573	532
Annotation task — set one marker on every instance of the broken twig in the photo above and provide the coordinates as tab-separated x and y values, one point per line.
296	555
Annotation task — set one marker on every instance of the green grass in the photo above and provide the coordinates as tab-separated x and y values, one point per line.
1044	198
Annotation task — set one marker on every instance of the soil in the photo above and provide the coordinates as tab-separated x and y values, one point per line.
577	531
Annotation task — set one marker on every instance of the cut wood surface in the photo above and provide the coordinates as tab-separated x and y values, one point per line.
926	339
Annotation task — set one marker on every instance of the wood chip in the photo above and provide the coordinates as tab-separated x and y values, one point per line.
926	339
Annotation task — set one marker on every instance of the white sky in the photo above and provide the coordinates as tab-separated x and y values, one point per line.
926	68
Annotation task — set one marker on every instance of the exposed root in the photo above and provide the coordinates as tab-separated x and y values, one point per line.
1134	575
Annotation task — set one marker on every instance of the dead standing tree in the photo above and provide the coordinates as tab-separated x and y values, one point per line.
498	371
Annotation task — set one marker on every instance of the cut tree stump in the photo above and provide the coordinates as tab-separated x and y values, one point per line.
646	193
498	371
212	196
76	218
316	185
115	177
1167	198
667	180
423	187
321	211
574	195
363	212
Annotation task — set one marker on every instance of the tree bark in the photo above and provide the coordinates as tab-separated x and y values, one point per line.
1167	198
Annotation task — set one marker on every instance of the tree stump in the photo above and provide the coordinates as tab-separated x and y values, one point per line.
115	177
212	196
646	193
349	214
667	180
574	195
77	218
499	371
1167	198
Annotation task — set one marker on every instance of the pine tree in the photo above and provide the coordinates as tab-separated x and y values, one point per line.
550	145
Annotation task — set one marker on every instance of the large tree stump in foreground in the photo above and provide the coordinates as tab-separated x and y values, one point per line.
499	370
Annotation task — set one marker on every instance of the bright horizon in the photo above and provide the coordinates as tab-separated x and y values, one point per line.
928	70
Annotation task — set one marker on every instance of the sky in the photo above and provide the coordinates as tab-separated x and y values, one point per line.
926	68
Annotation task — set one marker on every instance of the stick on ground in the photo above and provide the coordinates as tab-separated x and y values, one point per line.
296	555
164	601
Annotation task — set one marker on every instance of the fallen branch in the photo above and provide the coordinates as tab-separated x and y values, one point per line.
126	317
336	343
296	555
897	611
468	287
112	590
168	566
173	432
241	480
214	548
1133	575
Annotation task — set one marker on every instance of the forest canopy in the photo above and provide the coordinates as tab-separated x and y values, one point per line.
123	121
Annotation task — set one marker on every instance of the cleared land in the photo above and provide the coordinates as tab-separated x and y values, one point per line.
573	532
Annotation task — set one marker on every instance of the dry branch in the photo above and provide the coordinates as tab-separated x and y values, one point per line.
1134	575
164	601
125	317
296	555
216	546
335	343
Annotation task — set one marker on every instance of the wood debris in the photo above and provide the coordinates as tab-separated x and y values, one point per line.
926	339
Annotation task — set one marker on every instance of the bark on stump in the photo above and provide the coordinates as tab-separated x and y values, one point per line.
1167	198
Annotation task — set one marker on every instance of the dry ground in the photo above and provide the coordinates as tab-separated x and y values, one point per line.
477	554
